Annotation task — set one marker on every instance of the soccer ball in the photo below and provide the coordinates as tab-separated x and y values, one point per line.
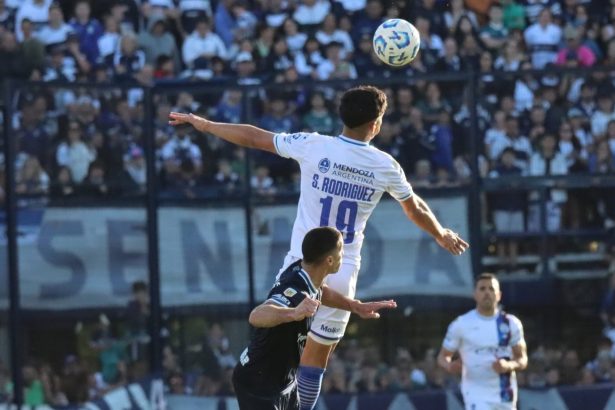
396	42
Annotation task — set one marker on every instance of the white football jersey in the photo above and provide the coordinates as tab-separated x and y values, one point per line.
342	180
480	341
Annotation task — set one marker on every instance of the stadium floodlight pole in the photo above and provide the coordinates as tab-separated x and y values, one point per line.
13	257
153	247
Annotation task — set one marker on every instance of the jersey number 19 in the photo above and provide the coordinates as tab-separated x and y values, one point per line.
345	218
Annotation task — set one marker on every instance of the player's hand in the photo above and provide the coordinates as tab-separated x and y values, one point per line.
178	118
369	310
501	366
454	366
452	242
307	308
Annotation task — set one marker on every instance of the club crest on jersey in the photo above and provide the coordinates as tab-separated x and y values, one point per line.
324	165
290	292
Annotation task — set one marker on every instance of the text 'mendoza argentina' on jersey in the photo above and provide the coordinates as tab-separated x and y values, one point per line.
480	341
272	357
342	180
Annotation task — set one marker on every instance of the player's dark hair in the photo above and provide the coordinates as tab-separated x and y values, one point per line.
484	276
361	105
318	243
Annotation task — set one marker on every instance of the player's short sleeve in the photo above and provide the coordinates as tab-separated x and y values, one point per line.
293	146
516	330
286	296
452	340
397	183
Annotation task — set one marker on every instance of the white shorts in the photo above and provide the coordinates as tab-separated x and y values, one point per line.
329	324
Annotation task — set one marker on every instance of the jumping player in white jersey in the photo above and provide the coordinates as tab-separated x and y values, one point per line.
491	348
342	180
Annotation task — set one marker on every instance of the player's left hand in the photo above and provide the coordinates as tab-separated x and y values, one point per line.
452	242
369	310
501	366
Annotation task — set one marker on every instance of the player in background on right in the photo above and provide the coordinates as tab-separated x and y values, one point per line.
491	347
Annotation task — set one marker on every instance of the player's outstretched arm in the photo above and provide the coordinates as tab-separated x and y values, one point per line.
367	310
445	361
269	314
417	210
243	135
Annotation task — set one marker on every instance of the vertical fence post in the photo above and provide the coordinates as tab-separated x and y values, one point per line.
153	255
247	200
14	319
476	232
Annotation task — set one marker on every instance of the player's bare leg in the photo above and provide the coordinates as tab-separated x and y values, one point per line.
316	354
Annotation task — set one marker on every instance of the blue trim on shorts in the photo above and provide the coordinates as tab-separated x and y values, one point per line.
326	337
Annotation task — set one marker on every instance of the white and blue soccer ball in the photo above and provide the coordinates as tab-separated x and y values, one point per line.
396	42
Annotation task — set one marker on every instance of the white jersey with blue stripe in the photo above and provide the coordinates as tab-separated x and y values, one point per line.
342	181
480	341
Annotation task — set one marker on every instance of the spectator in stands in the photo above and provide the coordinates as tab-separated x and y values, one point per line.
311	13
74	153
7	17
128	60
334	66
603	115
329	31
319	118
134	167
275	12
226	179
95	184
36	11
542	39
32	179
508	208
262	184
63	185
57	30
33	394
156	41
511	57
494	34
203	44
245	21
368	20
181	150
109	40
422	176
137	319
33	48
89	30
574	50
547	161
432	47
279	59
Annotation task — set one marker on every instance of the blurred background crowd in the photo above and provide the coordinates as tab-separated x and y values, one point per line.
87	142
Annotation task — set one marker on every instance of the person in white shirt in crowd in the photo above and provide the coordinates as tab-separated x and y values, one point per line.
543	39
37	11
334	66
178	149
603	115
57	30
202	43
352	6
491	349
547	161
109	42
295	38
74	153
275	13
329	32
311	12
534	7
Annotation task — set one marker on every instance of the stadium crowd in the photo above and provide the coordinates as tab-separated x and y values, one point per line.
87	142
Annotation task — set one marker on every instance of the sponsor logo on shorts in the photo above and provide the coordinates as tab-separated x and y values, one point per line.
290	292
328	329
